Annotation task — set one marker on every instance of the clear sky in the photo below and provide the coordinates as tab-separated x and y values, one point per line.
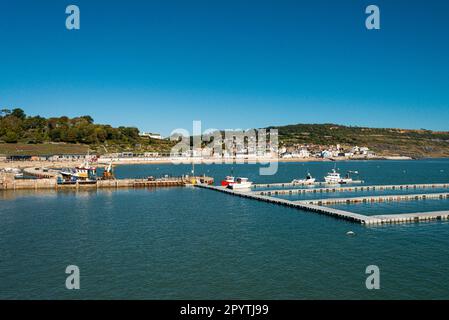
158	65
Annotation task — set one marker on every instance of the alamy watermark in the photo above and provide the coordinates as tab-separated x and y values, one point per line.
228	146
373	280
73	21
372	22
72	282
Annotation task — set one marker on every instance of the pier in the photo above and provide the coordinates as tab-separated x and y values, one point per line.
341	214
351	188
369	199
292	184
7	182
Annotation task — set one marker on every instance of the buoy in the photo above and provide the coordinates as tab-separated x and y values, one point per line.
350	233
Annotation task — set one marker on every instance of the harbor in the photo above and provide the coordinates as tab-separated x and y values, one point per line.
51	183
85	176
223	226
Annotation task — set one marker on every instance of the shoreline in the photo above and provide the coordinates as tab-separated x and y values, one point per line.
133	161
104	162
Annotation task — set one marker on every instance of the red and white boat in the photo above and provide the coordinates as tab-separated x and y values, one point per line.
228	181
240	183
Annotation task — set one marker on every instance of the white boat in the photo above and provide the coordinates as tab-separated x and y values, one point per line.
307	180
334	177
240	183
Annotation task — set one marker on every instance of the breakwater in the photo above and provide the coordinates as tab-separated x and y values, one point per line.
9	183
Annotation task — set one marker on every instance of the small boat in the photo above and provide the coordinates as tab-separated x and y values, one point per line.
18	176
307	180
228	181
334	177
240	183
82	174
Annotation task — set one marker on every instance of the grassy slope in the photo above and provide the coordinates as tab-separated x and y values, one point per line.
42	149
161	146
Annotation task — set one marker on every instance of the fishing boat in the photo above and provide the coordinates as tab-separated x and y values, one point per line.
334	177
307	180
81	174
227	181
240	183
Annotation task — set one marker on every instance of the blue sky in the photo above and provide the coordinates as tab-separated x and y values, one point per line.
158	65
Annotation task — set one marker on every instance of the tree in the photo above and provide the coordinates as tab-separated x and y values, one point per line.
11	137
18	113
89	119
5	112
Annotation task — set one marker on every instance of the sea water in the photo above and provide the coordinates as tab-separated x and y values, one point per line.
190	243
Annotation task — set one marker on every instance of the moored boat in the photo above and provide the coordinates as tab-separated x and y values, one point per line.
334	177
240	183
82	174
228	181
307	180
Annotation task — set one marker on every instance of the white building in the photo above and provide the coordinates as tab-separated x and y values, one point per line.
326	154
303	153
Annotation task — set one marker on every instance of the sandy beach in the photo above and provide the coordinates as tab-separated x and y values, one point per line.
134	161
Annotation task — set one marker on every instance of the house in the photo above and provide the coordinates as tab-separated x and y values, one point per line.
364	150
127	155
151	154
326	154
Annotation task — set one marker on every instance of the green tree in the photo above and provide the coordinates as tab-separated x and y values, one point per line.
11	137
18	113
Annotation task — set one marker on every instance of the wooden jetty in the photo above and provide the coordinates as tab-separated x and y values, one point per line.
341	214
350	188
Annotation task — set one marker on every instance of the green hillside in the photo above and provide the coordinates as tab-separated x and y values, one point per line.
33	135
388	142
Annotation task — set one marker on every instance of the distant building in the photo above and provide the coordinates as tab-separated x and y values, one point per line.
326	154
126	154
363	150
151	154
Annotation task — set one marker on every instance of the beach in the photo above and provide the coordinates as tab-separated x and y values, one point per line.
137	161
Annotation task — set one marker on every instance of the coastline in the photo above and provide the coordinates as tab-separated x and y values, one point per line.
136	161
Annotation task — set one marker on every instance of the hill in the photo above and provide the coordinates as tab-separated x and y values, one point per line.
383	141
25	135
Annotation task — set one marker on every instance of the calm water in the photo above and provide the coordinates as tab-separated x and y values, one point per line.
188	243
